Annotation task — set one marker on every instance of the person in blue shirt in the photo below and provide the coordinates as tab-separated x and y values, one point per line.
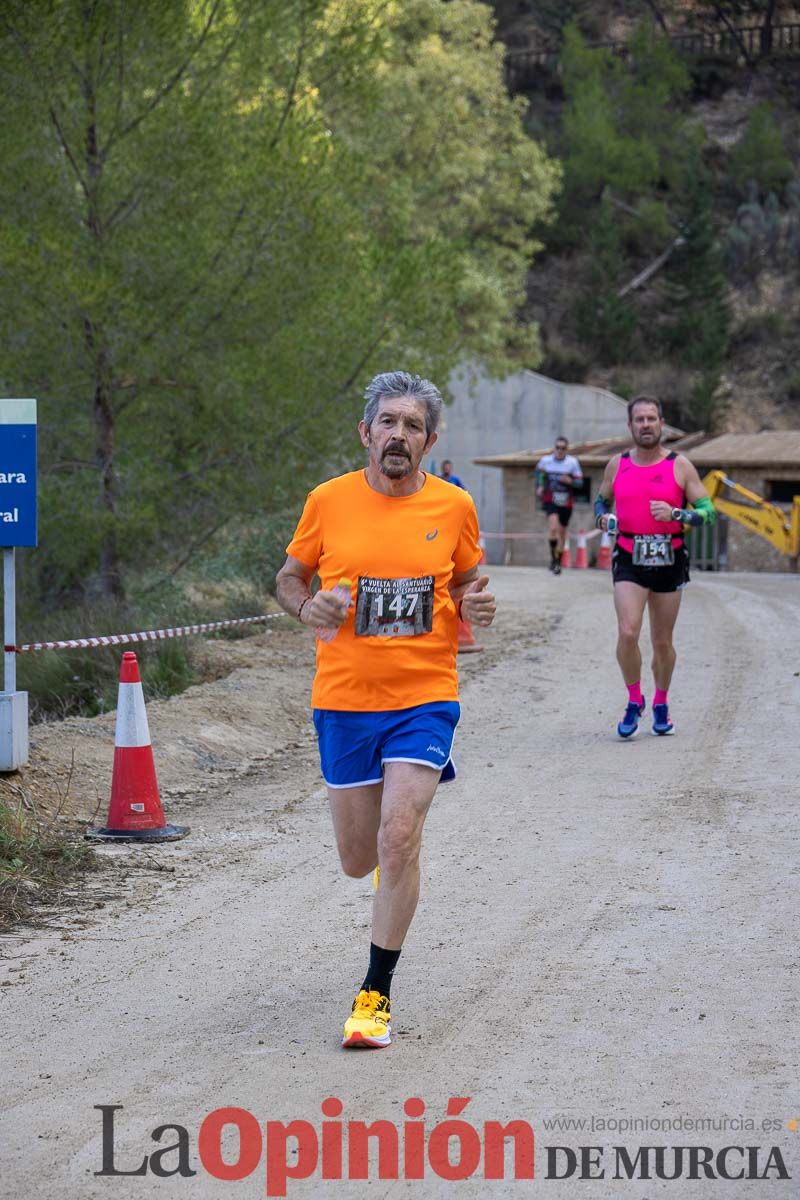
447	473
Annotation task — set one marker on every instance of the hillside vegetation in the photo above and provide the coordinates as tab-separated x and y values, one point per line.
672	262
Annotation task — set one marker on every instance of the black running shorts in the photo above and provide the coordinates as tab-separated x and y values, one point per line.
563	513
655	579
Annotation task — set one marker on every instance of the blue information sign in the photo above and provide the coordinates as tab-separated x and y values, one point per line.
18	525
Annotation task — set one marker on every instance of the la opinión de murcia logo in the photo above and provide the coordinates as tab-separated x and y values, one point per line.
452	1149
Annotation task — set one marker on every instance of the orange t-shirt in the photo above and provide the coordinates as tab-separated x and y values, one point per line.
397	647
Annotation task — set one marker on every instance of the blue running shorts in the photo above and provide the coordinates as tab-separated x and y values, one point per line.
353	746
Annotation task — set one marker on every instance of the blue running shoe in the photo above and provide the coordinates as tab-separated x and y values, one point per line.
629	725
662	726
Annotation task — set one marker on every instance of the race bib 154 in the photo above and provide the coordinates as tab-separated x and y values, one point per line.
653	550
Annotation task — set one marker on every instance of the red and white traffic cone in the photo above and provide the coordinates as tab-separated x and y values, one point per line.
482	544
581	559
604	553
135	813
466	638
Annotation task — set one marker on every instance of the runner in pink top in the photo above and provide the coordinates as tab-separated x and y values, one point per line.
634	488
650	488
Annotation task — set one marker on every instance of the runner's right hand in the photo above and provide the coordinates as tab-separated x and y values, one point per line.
328	609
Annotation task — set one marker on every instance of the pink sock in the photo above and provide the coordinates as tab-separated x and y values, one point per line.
635	692
660	696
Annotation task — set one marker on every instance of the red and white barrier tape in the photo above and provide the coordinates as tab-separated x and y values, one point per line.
150	635
529	536
540	536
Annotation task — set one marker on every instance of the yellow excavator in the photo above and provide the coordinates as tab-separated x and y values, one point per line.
769	521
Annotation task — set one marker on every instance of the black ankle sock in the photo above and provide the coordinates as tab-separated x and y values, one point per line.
381	968
553	542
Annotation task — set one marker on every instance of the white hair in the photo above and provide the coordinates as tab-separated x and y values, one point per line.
401	383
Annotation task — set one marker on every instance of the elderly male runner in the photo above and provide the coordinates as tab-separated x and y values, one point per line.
557	474
385	693
650	564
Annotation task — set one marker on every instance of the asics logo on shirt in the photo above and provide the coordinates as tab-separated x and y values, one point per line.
429	537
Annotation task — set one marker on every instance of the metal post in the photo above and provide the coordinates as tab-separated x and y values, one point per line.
13	704
9	619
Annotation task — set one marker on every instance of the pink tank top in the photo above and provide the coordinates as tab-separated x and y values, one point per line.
635	487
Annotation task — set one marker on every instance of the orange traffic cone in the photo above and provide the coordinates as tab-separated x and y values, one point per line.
604	553
135	813
565	556
581	561
466	638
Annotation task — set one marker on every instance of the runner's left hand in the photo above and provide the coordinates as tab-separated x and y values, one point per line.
477	605
661	510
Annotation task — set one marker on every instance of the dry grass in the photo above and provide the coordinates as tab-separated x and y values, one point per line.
40	855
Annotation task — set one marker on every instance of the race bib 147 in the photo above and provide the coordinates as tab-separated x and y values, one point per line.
394	607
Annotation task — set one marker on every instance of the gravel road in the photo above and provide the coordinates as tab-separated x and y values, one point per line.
607	932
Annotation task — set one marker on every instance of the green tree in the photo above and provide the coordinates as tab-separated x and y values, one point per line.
697	328
605	320
220	216
445	173
760	155
623	127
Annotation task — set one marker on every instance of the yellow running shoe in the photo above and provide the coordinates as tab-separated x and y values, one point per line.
369	1025
376	878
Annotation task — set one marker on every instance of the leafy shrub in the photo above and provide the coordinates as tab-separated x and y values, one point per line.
760	155
760	236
